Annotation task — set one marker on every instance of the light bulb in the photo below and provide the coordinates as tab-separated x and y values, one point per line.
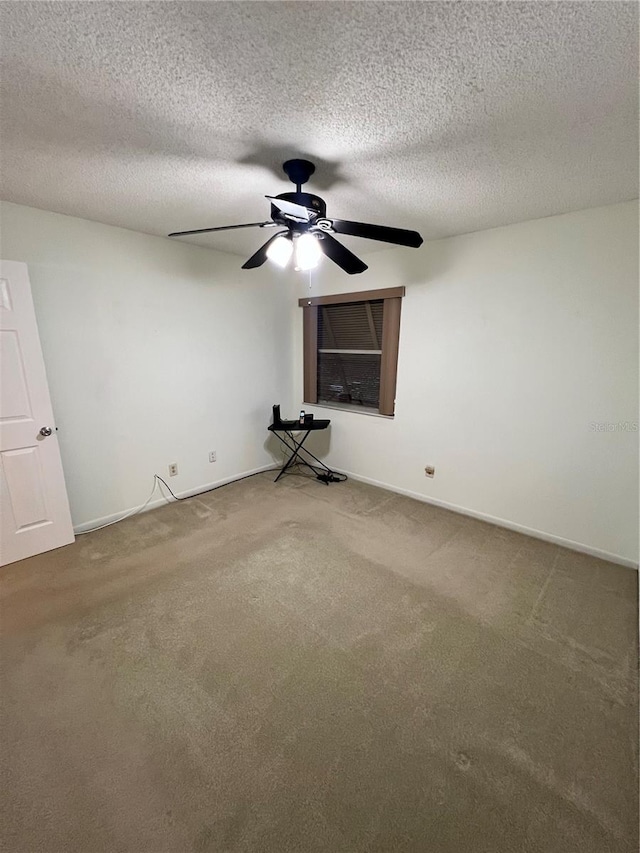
280	251
308	252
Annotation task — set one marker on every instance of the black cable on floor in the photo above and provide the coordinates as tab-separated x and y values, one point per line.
213	488
156	478
331	477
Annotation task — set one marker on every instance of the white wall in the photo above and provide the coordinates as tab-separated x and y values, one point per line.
156	352
513	343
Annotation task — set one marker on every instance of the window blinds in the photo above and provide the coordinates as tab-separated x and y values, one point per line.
349	351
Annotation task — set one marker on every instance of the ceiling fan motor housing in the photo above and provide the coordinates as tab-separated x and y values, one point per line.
312	202
298	171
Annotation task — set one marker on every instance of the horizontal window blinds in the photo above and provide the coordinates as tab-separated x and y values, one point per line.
350	326
351	379
349	353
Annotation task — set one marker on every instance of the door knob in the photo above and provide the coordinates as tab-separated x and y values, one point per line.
45	431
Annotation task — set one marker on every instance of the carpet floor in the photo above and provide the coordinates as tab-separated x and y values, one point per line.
296	667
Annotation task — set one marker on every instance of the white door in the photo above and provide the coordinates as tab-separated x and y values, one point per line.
33	497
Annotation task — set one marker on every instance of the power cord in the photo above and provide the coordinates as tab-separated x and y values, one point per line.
213	488
332	477
122	517
328	477
156	479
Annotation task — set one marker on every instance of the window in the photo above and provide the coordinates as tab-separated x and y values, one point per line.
351	349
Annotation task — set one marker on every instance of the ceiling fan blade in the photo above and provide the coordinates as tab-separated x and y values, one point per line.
222	228
296	211
340	255
261	255
400	236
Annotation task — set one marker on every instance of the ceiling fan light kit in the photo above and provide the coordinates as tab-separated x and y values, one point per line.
309	234
307	252
280	250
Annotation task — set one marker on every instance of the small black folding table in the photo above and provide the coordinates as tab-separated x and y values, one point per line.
284	432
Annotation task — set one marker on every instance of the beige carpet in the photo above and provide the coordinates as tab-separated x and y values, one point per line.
297	667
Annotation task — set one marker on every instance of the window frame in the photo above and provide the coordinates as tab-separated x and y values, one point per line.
392	299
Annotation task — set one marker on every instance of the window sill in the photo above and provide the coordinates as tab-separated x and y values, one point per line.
354	409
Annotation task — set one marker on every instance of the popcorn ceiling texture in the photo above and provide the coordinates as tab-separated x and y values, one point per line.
445	117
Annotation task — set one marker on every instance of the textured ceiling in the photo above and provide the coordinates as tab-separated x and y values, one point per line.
444	117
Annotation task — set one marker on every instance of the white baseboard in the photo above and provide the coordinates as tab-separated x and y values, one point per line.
86	526
501	522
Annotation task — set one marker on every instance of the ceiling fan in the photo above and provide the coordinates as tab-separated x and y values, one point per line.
308	234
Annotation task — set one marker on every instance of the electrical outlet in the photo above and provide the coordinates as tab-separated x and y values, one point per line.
173	469
429	471
212	456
